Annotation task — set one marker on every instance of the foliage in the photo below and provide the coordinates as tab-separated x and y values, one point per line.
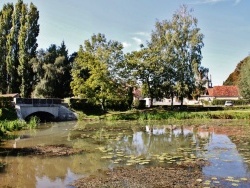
139	104
234	77
5	28
187	44
235	102
6	102
146	68
85	106
21	44
52	68
29	30
244	81
95	71
178	115
7	126
8	114
11	125
33	122
170	64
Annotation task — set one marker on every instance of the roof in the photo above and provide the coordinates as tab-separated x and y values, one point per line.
137	93
224	91
10	95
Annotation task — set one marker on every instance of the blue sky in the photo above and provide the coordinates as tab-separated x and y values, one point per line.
225	24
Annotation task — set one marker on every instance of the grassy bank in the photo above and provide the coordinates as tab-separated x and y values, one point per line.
158	114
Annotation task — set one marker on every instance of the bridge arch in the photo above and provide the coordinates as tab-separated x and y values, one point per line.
27	111
43	116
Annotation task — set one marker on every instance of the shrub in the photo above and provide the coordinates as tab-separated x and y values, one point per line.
235	102
6	102
139	104
86	107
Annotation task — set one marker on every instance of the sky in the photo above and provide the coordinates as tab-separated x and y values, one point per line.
224	23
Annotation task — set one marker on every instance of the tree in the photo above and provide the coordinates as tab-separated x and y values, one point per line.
145	67
202	82
179	42
94	74
12	58
27	42
244	81
234	77
19	30
5	28
52	68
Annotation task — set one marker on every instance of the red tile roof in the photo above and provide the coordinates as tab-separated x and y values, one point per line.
224	91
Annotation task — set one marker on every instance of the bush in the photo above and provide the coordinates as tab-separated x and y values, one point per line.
117	105
8	114
6	102
139	104
85	106
235	102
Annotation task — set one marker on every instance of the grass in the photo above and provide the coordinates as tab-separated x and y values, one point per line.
159	114
9	122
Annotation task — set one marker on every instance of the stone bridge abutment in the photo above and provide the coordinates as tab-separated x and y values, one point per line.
50	108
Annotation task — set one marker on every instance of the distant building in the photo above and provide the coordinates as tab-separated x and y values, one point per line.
221	93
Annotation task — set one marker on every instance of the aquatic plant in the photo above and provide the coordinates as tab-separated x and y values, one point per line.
33	122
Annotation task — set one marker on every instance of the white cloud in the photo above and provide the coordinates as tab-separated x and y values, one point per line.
216	1
126	44
145	34
137	40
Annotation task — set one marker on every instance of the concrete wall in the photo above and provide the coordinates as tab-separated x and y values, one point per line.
60	112
25	110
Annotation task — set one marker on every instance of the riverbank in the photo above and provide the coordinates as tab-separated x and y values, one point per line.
162	114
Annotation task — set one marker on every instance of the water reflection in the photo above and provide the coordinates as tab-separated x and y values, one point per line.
225	160
110	145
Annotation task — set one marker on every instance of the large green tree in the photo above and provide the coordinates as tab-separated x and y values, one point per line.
52	72
95	74
5	28
18	32
27	42
12	58
170	65
145	67
244	81
180	42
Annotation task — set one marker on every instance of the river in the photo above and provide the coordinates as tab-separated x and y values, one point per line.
108	145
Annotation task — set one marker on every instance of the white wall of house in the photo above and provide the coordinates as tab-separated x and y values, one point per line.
167	102
209	98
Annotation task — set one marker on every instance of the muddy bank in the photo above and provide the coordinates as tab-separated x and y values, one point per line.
49	150
150	177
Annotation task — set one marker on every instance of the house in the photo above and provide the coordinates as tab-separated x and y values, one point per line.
221	93
162	102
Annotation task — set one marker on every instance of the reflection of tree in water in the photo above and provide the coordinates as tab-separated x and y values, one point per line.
156	140
20	173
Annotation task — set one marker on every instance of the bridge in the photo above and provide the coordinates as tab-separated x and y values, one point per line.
45	109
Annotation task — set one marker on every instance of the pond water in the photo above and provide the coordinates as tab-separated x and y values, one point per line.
108	145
